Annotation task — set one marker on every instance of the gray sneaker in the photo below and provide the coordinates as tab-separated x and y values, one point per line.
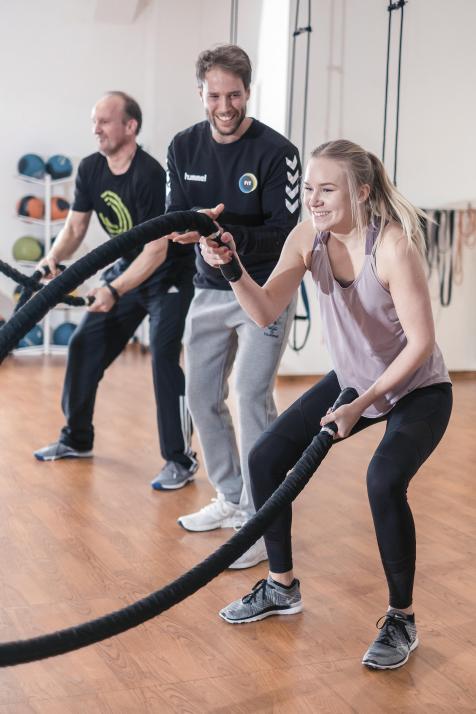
396	640
267	598
174	475
58	450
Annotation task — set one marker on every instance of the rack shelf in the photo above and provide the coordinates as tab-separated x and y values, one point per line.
49	230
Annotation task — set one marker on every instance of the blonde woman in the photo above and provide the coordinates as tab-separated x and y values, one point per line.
363	246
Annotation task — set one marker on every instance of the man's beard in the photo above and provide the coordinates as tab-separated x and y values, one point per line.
233	128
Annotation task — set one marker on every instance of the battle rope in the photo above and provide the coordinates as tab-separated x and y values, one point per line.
54	292
87	633
12	653
31	284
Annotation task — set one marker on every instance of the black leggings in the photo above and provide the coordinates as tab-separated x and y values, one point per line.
415	425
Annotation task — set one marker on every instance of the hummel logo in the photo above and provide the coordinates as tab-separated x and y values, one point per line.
195	177
292	178
292	206
292	164
292	191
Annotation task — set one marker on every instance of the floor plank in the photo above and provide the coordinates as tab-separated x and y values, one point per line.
81	538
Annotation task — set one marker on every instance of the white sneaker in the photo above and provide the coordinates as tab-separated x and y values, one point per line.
218	514
254	555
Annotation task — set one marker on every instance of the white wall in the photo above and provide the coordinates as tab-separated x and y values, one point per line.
437	143
60	59
58	56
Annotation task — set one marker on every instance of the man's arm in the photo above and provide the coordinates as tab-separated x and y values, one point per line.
67	241
139	270
280	200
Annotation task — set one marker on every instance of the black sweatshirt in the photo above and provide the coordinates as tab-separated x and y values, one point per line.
125	200
257	177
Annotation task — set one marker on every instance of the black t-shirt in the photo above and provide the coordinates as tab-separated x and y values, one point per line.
123	201
257	177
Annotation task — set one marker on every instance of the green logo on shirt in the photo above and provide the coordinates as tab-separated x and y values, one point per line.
124	219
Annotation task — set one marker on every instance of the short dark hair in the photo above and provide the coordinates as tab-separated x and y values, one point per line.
132	109
229	58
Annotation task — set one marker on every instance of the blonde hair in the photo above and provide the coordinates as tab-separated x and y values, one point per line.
385	202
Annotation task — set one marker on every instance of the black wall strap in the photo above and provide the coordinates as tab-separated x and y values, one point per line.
393	7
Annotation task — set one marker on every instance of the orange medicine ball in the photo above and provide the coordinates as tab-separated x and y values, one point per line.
59	208
31	206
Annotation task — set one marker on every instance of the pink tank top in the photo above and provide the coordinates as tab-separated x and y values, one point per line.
362	331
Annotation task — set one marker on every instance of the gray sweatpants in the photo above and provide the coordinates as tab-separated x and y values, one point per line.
219	335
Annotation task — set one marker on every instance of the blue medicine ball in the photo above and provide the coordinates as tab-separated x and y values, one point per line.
34	337
59	166
32	165
63	333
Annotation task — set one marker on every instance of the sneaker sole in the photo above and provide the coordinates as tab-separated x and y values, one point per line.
374	665
226	523
289	611
86	455
163	487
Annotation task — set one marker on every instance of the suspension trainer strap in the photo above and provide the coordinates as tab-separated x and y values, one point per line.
392	7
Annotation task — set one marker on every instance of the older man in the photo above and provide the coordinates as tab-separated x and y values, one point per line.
125	186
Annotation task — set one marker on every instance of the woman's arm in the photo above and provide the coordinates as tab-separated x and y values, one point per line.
400	267
265	304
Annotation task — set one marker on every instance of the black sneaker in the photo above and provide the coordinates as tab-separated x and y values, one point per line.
393	645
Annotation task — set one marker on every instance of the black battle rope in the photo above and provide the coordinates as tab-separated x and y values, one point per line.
53	293
399	5
73	638
31	284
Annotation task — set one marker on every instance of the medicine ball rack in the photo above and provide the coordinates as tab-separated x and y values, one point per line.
50	228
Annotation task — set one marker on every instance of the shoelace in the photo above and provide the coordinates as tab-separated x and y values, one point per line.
255	590
392	624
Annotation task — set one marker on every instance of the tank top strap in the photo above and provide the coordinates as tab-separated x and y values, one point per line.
321	238
370	238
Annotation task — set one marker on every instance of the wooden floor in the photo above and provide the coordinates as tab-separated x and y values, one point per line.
79	539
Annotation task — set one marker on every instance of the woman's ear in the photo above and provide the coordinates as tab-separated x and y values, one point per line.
364	193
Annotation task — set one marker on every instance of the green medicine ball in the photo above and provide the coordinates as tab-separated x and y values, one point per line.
27	248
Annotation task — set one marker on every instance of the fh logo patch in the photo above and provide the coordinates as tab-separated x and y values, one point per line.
120	211
247	183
